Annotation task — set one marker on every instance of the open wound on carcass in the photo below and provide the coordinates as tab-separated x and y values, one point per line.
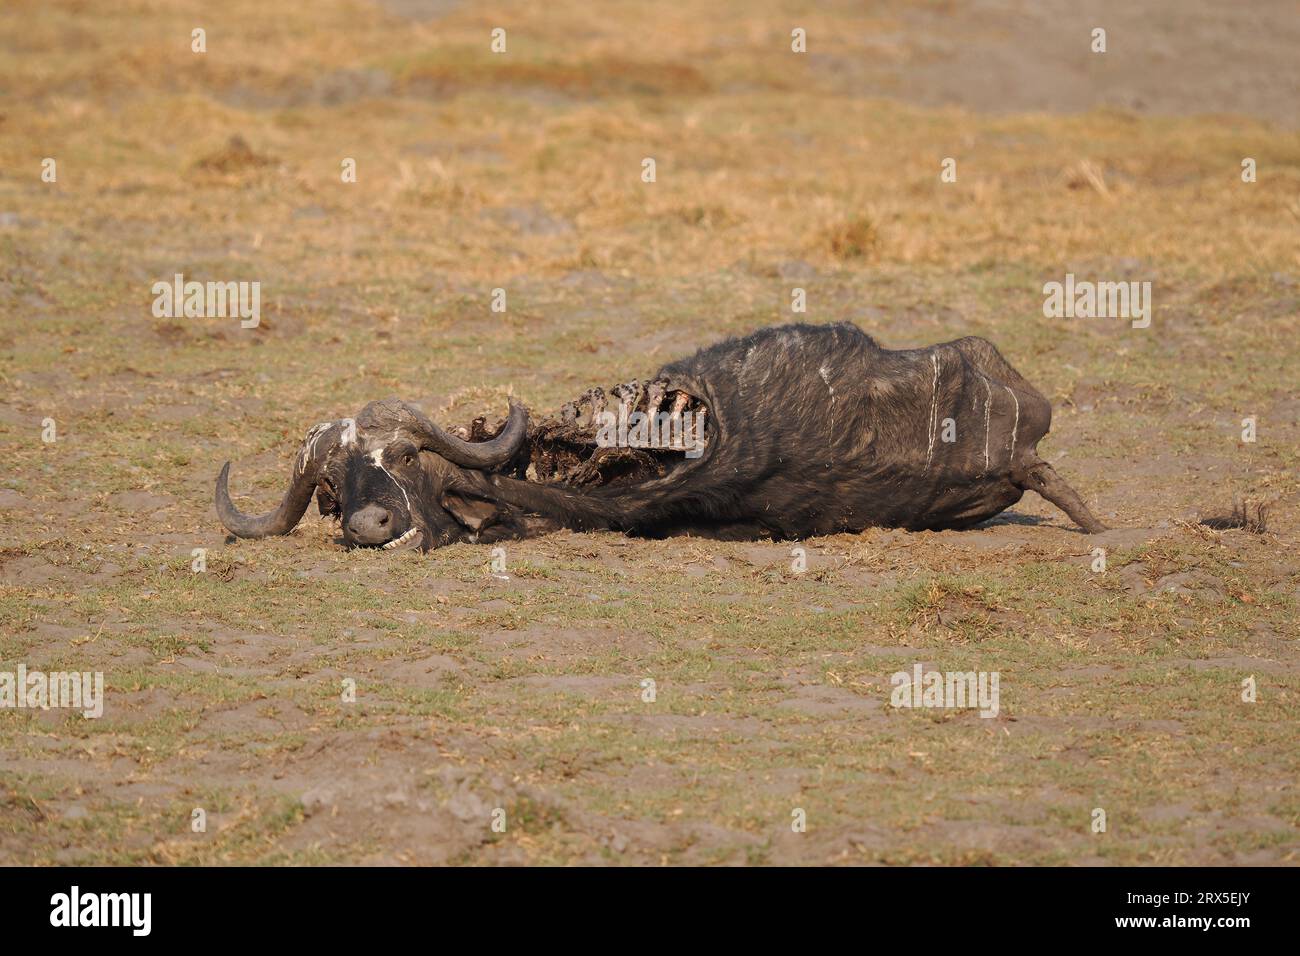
636	432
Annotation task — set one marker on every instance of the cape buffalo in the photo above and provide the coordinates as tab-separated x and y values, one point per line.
787	433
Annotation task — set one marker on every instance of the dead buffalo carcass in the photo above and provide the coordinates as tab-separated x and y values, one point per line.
787	433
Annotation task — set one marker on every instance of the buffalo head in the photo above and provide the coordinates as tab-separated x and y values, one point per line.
393	479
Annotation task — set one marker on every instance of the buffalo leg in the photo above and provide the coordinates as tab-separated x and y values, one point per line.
1042	478
570	507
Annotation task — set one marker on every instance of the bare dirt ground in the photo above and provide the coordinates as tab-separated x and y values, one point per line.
523	692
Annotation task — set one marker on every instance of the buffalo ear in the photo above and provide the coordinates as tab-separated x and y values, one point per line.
325	500
473	513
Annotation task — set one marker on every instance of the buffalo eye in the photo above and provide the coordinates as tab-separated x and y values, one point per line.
408	459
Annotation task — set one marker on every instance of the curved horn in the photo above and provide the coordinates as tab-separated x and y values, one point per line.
316	447
470	454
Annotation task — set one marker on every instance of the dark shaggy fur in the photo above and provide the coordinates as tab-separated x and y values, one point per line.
817	429
792	432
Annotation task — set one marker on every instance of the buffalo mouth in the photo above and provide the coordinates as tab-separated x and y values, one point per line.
412	538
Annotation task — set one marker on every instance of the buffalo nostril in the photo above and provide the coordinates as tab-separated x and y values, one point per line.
370	525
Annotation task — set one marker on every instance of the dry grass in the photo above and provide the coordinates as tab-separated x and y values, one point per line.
523	172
